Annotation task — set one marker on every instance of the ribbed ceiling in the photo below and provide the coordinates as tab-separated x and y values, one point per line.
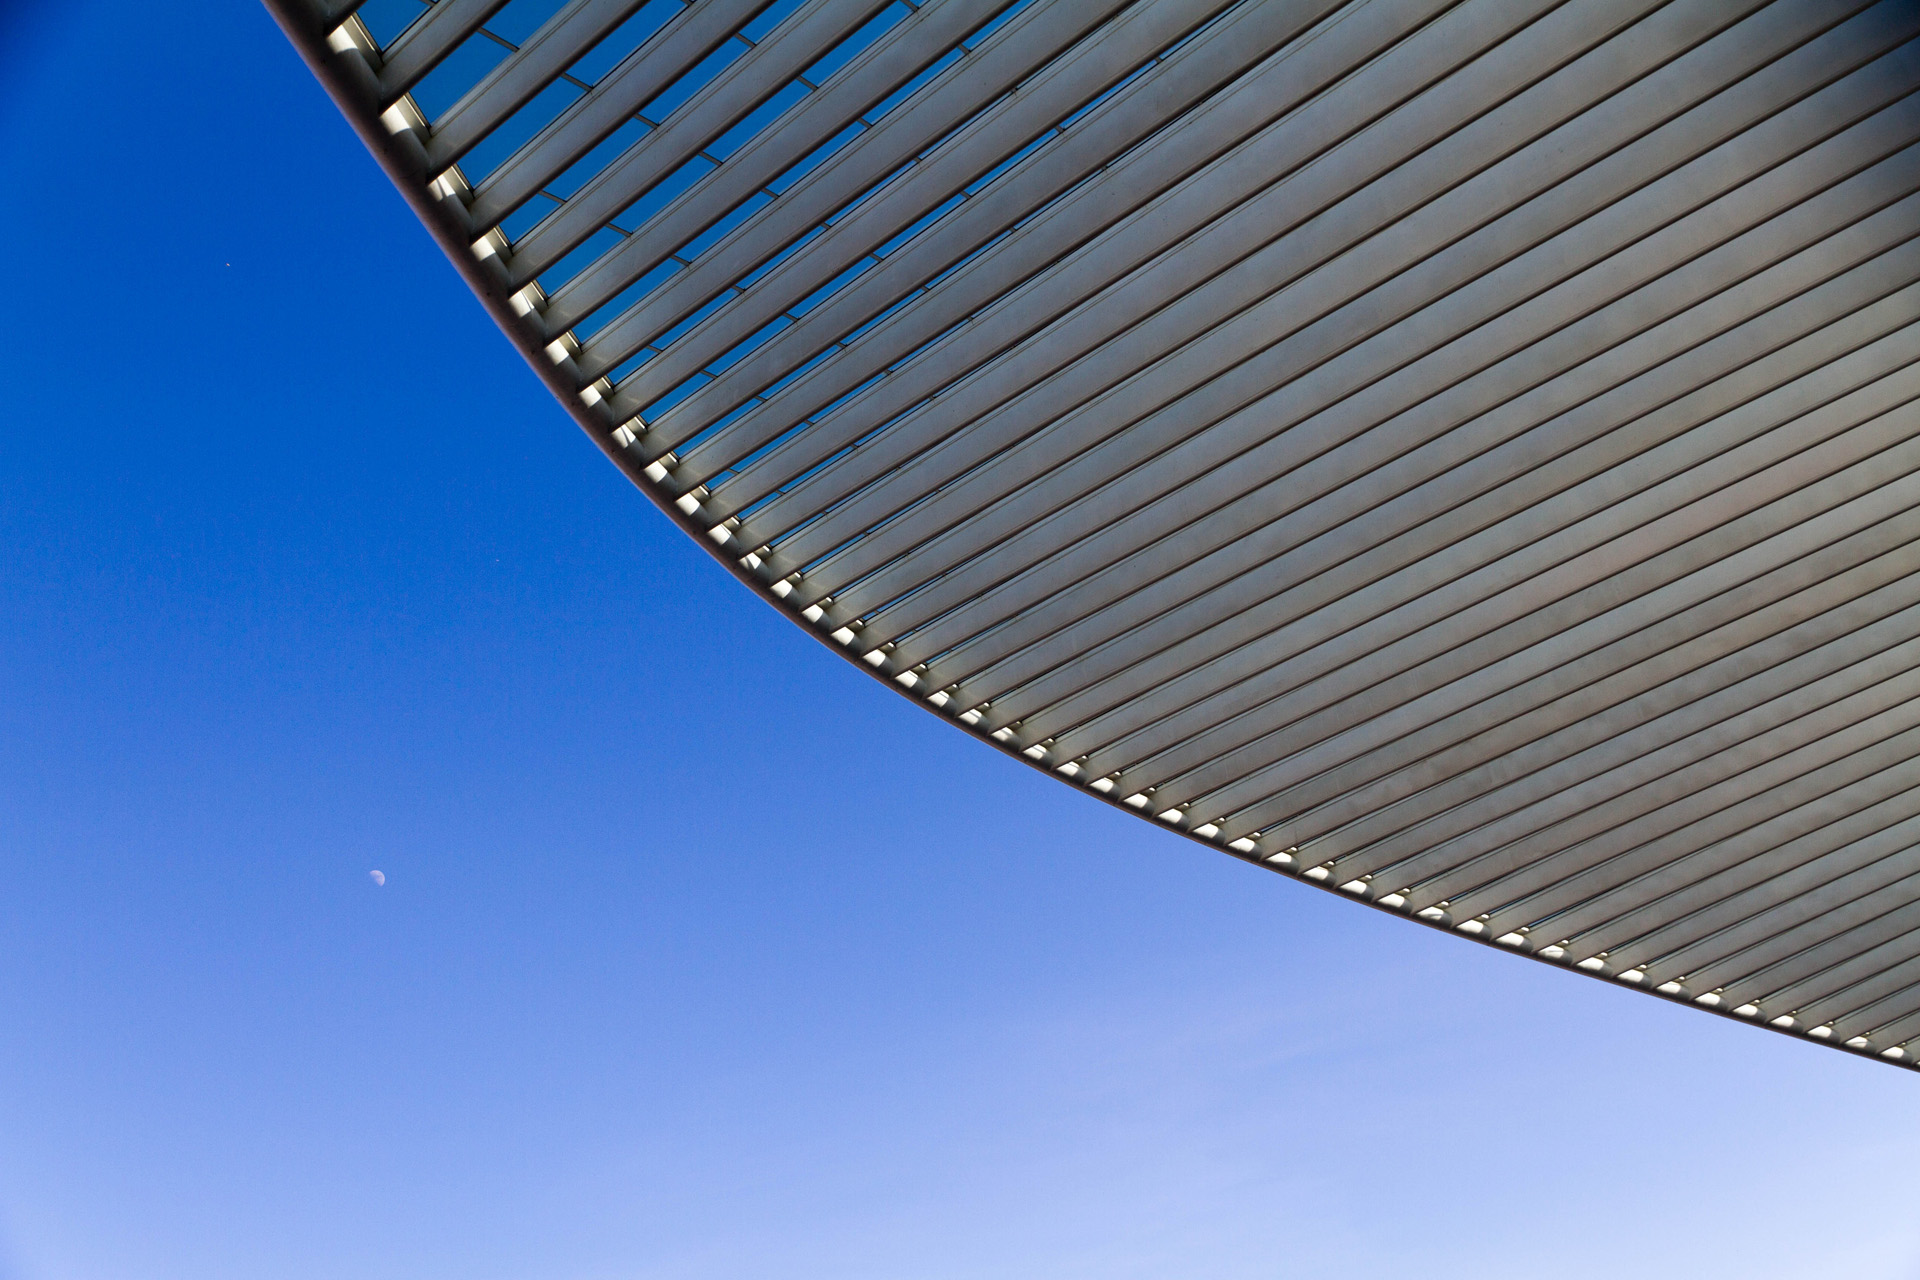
1464	453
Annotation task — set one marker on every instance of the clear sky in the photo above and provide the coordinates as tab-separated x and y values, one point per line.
700	954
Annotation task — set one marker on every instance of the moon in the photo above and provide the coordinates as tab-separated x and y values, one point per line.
378	877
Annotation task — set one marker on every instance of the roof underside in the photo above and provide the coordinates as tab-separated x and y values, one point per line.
1461	452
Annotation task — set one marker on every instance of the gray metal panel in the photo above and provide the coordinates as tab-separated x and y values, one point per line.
1462	454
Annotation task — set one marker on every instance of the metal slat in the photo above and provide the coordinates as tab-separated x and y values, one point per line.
1848	831
1148	522
1831	568
1381	854
1559	848
1529	660
1297	73
1311	766
1885	997
1011	54
1343	610
1707	724
1304	70
1074	621
432	36
747	82
1057	539
1537	521
1206	368
1777	985
1840	866
977	147
1722	556
845	597
907	476
1841	923
557	45
1782	795
1900	1030
905	52
1237	632
1591	745
609	104
1760	899
1578	703
1192	73
1852	987
1192	258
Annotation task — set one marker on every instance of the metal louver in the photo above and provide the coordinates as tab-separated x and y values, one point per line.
1464	453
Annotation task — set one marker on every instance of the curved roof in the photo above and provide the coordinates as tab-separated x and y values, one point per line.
1460	452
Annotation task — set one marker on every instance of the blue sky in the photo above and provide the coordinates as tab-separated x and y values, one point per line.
701	955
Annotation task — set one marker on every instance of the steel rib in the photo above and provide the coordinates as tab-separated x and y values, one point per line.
429	39
916	44
1368	445
1205	367
1427	114
1639	398
1214	58
747	82
1713	722
1136	239
1845	861
611	103
1620	484
1583	700
1013	53
1838	915
559	43
1332	609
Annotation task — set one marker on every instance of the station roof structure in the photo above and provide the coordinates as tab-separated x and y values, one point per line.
1464	454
